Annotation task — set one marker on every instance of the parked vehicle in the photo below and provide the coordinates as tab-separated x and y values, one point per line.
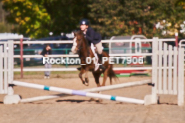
128	47
36	49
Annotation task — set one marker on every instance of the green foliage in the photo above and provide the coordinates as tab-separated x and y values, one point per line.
4	27
123	17
65	14
36	18
107	17
30	15
180	3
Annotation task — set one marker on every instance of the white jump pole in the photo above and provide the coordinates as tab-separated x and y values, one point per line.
123	85
1	70
104	88
80	93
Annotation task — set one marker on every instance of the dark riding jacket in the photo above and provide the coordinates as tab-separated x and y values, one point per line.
92	36
46	52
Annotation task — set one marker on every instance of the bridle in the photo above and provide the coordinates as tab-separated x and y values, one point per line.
80	46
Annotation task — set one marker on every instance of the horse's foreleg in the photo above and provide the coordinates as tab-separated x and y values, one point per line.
86	75
80	75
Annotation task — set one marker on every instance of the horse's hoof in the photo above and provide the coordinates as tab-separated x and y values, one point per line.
85	83
86	80
92	99
99	100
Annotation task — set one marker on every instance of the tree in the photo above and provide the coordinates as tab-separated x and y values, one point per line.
36	18
66	14
123	17
107	17
30	16
180	3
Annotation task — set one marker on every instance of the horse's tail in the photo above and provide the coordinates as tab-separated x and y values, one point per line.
112	75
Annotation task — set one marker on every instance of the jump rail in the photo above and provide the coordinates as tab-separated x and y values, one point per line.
80	93
105	88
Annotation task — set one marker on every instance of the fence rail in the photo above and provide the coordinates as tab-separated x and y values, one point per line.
74	55
70	41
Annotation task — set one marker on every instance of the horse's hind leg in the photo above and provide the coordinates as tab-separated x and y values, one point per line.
96	77
110	77
105	74
109	74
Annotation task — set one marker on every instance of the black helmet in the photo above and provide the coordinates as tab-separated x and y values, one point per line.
84	22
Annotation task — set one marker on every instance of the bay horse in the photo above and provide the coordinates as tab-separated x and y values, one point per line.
82	48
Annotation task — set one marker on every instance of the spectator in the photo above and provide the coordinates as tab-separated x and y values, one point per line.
45	52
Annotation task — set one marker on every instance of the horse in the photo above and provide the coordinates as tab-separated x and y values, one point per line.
82	48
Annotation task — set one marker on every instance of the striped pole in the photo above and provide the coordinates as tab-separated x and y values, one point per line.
103	88
80	93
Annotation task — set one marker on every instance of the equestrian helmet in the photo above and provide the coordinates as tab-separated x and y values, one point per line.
84	22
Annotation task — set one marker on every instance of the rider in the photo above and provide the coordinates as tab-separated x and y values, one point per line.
92	37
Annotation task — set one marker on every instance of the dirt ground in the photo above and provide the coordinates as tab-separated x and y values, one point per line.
78	109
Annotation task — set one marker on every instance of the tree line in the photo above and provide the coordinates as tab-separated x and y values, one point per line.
36	18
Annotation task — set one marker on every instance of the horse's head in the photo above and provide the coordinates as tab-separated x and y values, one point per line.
77	41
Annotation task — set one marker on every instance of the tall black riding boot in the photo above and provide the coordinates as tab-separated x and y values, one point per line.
102	68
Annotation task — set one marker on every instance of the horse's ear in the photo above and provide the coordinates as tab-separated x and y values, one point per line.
75	32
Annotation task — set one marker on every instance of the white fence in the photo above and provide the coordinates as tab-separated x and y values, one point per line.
182	45
74	55
167	74
168	70
6	63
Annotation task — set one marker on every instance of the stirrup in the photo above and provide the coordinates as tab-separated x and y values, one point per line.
102	68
